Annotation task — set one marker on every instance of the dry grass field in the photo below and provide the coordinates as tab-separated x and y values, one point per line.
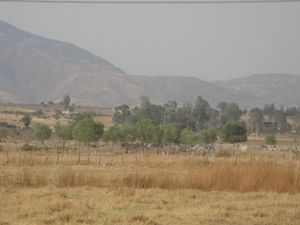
12	114
71	184
149	188
90	205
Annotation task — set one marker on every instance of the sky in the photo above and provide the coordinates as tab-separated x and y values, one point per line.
211	42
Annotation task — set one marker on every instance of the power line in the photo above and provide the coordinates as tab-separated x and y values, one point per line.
154	2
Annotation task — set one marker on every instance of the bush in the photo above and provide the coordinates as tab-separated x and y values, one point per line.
208	136
38	113
87	130
42	132
234	132
270	139
27	148
26	120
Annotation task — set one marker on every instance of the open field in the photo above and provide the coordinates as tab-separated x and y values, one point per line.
13	113
90	205
57	183
149	188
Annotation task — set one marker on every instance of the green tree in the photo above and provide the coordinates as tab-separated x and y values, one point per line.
256	116
270	139
188	137
42	132
234	132
280	117
148	132
171	133
201	112
87	130
222	106
129	134
66	101
184	116
64	132
233	112
26	120
122	114
170	109
208	136
114	134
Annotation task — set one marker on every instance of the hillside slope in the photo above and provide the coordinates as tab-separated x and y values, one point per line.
35	69
280	89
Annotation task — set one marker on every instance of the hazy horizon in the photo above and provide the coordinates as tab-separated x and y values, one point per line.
210	42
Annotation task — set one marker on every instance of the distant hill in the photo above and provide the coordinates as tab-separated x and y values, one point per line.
35	69
280	89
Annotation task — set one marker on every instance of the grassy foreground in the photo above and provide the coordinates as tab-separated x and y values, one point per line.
47	188
88	205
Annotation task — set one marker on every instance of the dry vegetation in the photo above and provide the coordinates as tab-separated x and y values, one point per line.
70	184
236	173
149	188
89	205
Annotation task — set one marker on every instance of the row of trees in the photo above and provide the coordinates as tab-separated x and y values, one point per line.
194	117
85	130
202	115
166	124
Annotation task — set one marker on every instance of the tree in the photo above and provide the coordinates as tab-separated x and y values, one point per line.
113	134
26	120
121	114
208	136
116	134
188	137
66	101
222	106
201	112
234	132
280	117
270	139
184	116
87	130
42	132
148	132
233	112
171	134
170	109
269	109
64	132
256	116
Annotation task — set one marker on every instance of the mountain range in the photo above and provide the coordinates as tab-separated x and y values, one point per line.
35	69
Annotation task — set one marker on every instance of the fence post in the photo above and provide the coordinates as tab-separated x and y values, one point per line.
78	159
7	158
57	157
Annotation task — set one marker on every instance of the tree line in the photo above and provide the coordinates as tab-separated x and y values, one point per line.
167	124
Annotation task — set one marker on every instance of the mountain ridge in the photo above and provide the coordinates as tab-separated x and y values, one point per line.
35	69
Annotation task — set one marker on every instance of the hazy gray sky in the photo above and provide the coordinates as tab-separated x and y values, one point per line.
207	41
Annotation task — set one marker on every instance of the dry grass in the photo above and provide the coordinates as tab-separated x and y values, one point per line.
243	173
223	176
149	189
126	206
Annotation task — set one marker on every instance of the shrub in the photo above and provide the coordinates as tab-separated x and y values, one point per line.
234	132
270	139
42	132
27	148
26	120
208	136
